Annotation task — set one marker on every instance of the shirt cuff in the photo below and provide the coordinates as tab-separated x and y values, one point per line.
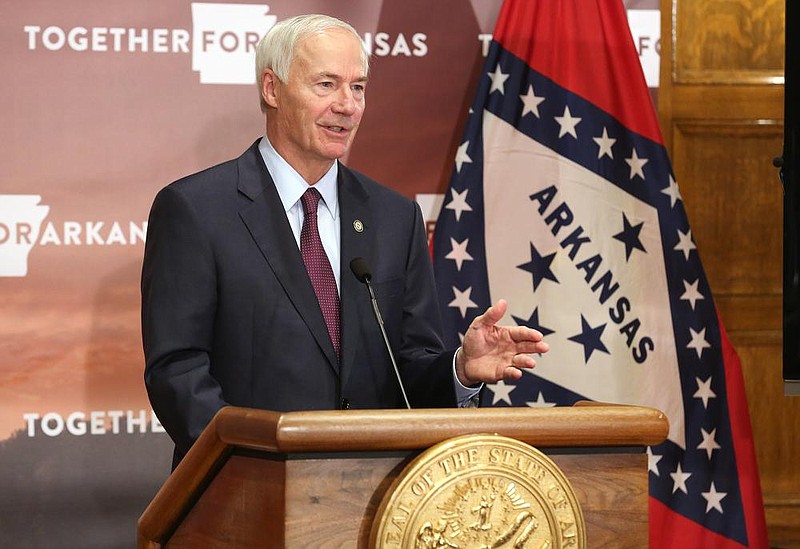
465	396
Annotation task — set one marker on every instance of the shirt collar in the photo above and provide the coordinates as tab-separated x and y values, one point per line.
291	185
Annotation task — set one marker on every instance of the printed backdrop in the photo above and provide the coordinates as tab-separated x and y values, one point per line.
105	103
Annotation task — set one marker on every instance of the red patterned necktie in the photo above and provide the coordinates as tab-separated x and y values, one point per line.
318	266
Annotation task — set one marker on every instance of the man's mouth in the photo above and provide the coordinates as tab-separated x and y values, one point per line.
337	128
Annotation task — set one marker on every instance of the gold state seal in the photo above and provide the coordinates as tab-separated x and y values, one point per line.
480	491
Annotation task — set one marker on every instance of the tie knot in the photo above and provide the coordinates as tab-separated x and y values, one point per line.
310	200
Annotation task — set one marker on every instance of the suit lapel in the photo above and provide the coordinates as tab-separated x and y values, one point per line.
266	221
357	240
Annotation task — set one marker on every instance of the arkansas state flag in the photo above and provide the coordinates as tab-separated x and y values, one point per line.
563	201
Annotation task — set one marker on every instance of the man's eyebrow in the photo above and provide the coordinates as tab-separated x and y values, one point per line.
334	76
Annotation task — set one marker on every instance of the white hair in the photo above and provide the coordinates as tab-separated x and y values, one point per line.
276	49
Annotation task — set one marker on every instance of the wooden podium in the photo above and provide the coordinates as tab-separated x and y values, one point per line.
315	479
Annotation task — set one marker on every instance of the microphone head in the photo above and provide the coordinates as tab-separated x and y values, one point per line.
361	269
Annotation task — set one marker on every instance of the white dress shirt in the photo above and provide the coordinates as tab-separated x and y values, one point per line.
291	186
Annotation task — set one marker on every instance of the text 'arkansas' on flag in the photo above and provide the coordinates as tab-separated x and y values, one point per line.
562	200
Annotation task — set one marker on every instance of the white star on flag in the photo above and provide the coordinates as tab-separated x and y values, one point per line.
498	80
704	391
458	203
636	164
567	123
540	402
459	252
652	461
698	342
604	142
714	499
679	480
462	301
692	294
501	392
462	157
685	243
532	102
672	192
709	443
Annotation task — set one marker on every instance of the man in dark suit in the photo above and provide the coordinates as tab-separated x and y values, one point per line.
247	298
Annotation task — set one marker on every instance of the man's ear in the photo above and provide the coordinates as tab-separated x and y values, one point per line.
269	88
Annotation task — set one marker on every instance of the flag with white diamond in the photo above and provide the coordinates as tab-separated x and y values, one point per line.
562	200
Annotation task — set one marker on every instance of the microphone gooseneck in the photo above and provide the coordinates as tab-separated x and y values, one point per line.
363	273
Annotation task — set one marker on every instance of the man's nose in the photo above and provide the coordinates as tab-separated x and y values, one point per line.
345	102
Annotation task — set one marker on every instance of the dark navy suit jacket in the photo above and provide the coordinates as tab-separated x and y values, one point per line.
229	316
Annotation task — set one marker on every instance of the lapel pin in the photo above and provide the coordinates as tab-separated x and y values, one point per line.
358	225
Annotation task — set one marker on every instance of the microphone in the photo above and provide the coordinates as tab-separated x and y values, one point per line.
363	273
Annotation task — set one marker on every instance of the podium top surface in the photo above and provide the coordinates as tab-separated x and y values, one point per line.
583	425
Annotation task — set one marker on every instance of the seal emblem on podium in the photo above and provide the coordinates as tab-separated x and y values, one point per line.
480	491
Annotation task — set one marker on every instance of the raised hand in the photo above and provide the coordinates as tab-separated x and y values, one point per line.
491	352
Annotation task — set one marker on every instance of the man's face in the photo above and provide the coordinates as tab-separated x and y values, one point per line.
317	112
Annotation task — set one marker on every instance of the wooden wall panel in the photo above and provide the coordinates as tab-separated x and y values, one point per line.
721	111
729	41
777	440
732	191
